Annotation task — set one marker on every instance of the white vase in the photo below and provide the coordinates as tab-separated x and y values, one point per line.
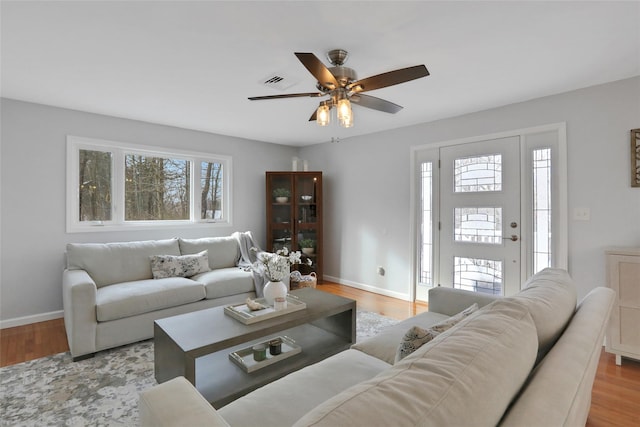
273	290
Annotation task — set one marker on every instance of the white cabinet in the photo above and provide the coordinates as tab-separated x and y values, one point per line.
623	276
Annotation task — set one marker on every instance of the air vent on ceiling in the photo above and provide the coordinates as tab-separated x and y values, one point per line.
278	81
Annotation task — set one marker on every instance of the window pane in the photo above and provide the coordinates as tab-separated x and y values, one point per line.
156	188
478	275
94	185
541	209
426	244
478	225
211	184
473	174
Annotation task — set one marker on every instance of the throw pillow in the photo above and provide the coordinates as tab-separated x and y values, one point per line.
417	336
163	266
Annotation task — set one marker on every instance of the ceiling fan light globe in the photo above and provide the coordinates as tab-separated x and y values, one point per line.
323	115
344	109
346	122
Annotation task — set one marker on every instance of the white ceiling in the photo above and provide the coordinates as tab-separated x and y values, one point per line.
193	64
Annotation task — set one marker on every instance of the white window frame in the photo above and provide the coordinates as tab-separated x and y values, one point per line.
119	150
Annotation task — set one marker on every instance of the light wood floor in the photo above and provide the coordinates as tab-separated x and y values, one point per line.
615	397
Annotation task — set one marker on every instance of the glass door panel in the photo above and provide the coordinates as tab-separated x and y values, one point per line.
281	213
307	194
480	216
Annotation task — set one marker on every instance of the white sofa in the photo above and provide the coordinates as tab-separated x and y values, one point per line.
111	298
526	360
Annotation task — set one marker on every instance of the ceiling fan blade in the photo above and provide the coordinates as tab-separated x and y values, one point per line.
318	69
314	116
290	95
389	79
375	103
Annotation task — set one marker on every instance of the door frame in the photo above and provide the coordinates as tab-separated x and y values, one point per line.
559	173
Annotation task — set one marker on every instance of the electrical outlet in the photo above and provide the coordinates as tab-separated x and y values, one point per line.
581	214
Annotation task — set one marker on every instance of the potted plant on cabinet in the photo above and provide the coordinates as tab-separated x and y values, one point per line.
281	195
307	246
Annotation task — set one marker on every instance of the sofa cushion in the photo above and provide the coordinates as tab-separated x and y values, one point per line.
416	337
223	251
384	345
144	296
223	282
551	298
466	376
283	402
163	266
558	391
109	263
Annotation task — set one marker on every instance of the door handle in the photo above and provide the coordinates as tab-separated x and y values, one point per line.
513	238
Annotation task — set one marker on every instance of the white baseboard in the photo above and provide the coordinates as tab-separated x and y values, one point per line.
26	320
368	288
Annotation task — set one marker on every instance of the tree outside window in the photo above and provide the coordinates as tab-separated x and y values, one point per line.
114	184
156	188
94	185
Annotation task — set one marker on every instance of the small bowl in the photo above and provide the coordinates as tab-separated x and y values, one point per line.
306	198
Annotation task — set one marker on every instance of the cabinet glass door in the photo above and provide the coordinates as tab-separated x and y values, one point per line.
307	194
281	224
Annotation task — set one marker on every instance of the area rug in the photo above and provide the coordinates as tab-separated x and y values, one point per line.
101	391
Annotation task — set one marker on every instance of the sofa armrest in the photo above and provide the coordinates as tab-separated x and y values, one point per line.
79	300
177	403
452	301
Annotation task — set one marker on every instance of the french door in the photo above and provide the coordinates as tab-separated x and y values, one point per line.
480	216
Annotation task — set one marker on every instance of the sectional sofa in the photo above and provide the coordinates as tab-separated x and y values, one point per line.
113	292
525	360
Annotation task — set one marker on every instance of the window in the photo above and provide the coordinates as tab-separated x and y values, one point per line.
541	169
117	185
94	185
475	174
426	235
156	188
478	275
211	180
478	225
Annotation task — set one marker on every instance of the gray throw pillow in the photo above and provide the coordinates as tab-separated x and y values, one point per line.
163	266
417	336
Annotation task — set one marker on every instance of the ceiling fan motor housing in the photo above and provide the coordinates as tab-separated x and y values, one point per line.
344	76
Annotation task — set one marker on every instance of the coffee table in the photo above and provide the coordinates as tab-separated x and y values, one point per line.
197	345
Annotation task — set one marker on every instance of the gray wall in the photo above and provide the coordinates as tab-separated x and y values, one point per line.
33	194
367	184
366	188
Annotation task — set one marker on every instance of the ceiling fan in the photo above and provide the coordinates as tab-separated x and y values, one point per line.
342	86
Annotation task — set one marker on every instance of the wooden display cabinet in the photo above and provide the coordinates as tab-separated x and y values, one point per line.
294	216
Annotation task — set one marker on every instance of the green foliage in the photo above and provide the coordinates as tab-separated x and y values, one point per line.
307	243
281	192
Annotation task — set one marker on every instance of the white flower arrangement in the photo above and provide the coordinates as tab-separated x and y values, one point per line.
276	266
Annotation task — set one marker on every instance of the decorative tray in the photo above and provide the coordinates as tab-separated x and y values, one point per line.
244	314
244	357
